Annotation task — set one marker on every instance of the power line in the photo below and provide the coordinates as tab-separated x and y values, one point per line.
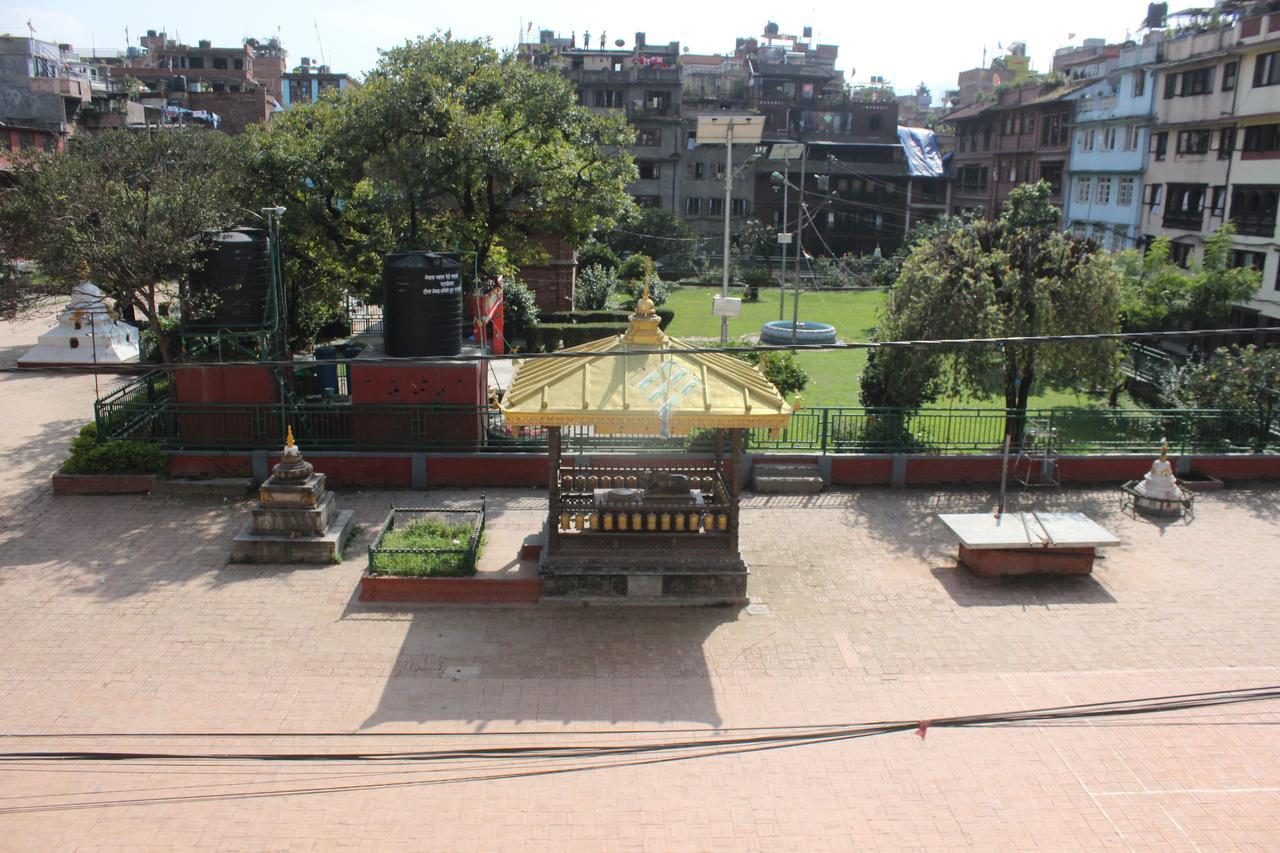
690	350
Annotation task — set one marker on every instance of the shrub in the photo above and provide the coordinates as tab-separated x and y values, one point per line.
659	290
780	367
636	268
595	288
592	253
611	317
878	432
547	337
88	456
519	307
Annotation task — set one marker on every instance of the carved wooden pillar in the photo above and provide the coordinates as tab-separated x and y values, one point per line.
553	489
735	465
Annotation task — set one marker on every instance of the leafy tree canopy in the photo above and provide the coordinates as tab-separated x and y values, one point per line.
130	206
1157	294
1017	276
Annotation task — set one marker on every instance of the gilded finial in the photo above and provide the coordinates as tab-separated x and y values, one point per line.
644	305
82	271
1164	450
288	439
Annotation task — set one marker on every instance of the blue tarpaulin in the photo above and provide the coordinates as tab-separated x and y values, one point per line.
921	147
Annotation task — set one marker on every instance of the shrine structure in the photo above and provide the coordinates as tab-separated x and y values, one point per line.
639	530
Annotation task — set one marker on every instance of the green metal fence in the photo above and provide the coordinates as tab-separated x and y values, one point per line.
142	411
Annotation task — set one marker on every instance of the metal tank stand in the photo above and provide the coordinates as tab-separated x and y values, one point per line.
1037	462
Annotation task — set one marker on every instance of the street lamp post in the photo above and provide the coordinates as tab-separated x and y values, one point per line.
728	201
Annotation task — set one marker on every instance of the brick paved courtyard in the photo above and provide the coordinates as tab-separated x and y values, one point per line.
119	615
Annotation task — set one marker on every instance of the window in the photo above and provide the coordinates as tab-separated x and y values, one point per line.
691	139
195	62
692	206
1266	69
74	342
238	64
1052	172
1185	208
717	171
613	98
1007	124
1229	73
1109	139
1104	191
1226	142
1262	137
1197	82
1139	83
1194	141
1132	136
1154	191
1086	140
738	207
649	137
220	62
1253	260
1180	254
1219	200
973	178
1124	192
873	123
649	170
695	171
1084	189
1028	122
648	201
1170	85
1160	144
715	206
26	140
1024	171
1253	210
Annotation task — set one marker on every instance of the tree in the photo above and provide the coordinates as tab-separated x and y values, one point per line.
1158	295
1239	380
596	286
468	146
128	205
1015	277
656	232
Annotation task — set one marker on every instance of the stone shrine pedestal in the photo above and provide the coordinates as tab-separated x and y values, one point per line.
296	519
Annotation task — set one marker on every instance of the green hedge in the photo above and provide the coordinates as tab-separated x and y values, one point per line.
546	337
665	316
88	456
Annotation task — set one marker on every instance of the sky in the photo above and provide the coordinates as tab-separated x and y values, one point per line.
906	42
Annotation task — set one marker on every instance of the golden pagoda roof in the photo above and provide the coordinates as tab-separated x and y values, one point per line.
661	386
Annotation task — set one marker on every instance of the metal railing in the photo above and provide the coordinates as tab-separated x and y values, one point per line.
142	411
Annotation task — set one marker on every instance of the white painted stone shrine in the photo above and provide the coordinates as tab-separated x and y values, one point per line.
87	333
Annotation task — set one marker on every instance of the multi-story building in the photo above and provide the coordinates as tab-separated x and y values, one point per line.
1253	179
1087	62
309	81
45	89
1109	151
241	85
1022	137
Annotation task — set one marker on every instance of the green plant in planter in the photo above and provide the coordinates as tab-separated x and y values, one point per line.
426	548
89	456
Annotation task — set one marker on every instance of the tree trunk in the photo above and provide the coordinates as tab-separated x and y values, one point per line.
1016	394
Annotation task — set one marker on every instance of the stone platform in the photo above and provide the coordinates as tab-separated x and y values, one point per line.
296	519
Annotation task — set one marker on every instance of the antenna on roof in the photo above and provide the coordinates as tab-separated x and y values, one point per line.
323	59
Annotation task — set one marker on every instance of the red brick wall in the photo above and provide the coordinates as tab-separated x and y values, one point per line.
552	282
861	471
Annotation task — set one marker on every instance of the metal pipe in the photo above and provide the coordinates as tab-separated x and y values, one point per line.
795	285
728	200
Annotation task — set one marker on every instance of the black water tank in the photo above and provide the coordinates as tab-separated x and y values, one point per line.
231	287
422	304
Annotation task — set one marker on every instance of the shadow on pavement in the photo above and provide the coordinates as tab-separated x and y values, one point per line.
969	590
570	664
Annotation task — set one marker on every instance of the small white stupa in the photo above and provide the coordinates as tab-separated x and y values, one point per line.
87	333
1158	493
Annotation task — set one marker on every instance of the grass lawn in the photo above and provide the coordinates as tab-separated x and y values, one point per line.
834	376
449	542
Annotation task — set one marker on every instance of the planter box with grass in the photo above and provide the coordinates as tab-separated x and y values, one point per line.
424	554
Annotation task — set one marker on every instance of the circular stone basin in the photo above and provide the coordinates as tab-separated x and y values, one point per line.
779	332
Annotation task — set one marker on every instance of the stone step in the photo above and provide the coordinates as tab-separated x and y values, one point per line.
786	479
222	487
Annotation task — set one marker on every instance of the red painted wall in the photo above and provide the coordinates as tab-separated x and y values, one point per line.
1102	469
1239	467
860	471
952	469
392	471
481	470
211	465
225	384
457	384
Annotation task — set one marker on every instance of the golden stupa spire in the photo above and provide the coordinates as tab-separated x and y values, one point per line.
288	439
643	328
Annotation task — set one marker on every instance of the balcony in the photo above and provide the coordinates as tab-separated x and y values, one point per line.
633	74
1255	226
1184	220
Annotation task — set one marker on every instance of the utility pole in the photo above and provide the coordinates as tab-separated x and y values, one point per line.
782	282
800	209
728	201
